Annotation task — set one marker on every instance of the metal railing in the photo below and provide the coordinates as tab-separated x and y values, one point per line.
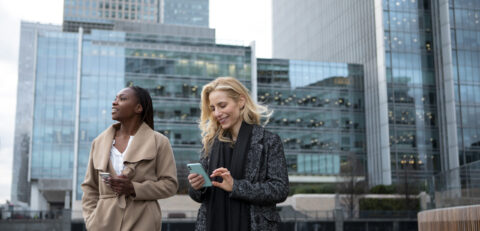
287	214
34	214
458	186
378	214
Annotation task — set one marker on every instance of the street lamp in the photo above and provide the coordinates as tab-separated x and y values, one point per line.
407	162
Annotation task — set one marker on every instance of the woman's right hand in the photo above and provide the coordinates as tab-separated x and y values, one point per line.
196	181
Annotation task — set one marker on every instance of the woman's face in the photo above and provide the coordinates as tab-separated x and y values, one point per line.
225	110
125	106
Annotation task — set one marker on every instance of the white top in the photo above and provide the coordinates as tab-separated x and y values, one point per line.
117	157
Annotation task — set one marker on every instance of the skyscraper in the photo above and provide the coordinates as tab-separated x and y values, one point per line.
106	14
421	60
24	112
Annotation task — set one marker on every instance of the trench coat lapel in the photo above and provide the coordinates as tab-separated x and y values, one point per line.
142	147
101	154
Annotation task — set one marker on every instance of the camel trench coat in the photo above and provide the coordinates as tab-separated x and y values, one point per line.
149	164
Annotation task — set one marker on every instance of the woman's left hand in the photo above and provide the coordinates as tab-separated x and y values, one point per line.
121	185
227	183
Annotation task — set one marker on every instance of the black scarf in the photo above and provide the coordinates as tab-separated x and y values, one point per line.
224	213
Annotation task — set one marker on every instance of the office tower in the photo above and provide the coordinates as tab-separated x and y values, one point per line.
421	60
24	112
108	14
391	41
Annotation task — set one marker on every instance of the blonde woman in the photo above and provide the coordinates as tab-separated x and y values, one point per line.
245	162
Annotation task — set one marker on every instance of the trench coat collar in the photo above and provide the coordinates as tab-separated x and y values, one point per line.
142	147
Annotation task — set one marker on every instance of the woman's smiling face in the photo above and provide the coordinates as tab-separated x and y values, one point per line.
225	110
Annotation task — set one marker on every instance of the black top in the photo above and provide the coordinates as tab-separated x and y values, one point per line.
224	213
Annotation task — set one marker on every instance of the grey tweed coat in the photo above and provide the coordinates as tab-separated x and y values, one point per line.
265	183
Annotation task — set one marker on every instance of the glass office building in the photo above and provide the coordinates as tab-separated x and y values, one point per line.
319	114
465	38
394	40
411	87
24	111
421	60
457	30
54	105
46	123
344	32
106	14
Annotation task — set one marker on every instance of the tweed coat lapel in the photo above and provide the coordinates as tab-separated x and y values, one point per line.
252	166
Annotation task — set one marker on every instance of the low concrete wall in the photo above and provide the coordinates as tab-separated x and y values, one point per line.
311	202
450	219
178	204
326	202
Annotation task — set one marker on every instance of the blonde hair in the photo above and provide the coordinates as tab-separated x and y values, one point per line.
251	113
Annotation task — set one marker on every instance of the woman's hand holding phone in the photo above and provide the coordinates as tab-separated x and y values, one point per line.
196	181
122	185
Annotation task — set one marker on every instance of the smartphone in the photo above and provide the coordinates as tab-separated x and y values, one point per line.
198	169
104	175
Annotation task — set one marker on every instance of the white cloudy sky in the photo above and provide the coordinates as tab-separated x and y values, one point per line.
234	20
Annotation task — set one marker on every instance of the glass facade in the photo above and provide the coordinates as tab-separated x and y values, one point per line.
465	37
101	14
25	110
54	106
318	112
105	10
173	74
186	12
410	73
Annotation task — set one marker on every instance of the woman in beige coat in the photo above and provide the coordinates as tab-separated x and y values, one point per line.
141	167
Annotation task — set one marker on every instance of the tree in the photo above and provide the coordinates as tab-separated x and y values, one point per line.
352	183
